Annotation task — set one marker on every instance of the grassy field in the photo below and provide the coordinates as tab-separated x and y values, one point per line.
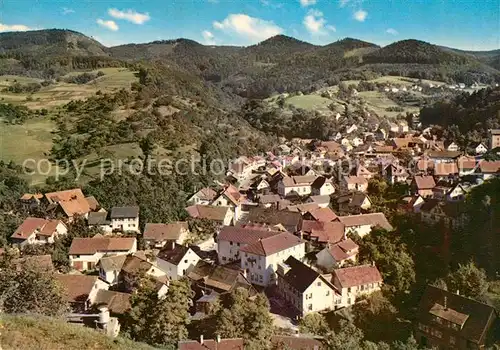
378	102
309	102
396	80
60	93
43	333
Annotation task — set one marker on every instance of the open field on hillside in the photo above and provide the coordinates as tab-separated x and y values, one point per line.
309	102
43	333
396	80
61	92
378	102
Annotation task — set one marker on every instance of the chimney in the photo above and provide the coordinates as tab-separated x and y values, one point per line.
218	338
201	339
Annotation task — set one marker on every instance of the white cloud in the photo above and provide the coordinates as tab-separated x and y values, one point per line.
316	24
392	31
250	28
343	2
14	28
306	3
111	25
130	15
360	15
67	11
208	37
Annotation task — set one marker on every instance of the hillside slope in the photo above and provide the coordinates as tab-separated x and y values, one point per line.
43	333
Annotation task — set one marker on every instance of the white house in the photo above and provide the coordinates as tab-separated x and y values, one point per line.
300	185
138	265
456	193
232	198
38	231
125	219
99	219
336	255
355	183
354	282
85	253
110	267
177	262
452	147
356	141
480	148
322	187
304	288
232	238
364	223
260	259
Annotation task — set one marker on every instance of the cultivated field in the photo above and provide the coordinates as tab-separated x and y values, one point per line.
309	102
61	92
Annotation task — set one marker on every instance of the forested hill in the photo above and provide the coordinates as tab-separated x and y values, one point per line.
278	64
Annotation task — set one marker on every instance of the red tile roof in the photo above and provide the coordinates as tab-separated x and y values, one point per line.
323	214
67	195
208	212
90	246
445	169
373	219
344	250
489	167
76	287
324	231
162	232
35	225
244	235
273	244
357	275
425	182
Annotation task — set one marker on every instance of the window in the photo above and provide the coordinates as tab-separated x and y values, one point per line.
349	301
223	258
310	307
230	243
238	244
327	292
185	261
319	284
349	290
362	287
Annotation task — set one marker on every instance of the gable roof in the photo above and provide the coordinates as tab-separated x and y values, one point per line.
269	198
98	218
134	265
210	344
124	212
92	202
162	232
117	302
424	182
343	249
445	169
357	275
209	212
174	256
293	342
206	194
222	278
273	244
290	220
489	167
324	231
372	219
67	195
324	199
33	225
300	276
76	287
90	246
112	263
479	315
352	180
323	214
319	182
244	235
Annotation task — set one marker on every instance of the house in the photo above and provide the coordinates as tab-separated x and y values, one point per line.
158	235
269	200
447	320
304	288
211	344
136	266
443	156
260	259
466	165
320	214
446	171
232	238
85	253
70	203
479	148
221	215
322	187
31	201
488	169
232	198
336	255
494	138
423	185
118	303
296	342
356	141
395	173
355	183
177	260
412	203
125	219
354	202
380	135
457	193
296	185
320	201
38	231
354	282
291	221
451	147
364	223
261	185
351	129
110	268
209	278
323	232
203	197
80	290
361	171
99	219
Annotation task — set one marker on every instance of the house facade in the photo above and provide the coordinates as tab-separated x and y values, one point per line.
354	282
125	219
38	231
338	254
177	261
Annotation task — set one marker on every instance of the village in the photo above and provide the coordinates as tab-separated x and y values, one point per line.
281	224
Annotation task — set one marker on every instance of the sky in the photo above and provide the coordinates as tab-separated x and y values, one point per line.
463	24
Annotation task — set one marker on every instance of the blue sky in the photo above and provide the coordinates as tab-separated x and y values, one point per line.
466	24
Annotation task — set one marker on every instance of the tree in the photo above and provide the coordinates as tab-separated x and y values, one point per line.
469	280
348	337
241	318
29	288
313	323
155	320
